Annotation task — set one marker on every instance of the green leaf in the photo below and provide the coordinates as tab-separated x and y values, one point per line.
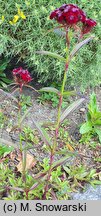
93	108
54	55
81	176
71	108
2	84
67	170
6	80
79	45
25	114
2	74
98	159
98	115
60	33
50	89
69	93
97	122
61	161
95	182
44	136
5	150
92	173
98	131
3	66
86	127
88	116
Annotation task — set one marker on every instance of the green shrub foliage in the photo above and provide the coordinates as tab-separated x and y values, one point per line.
28	35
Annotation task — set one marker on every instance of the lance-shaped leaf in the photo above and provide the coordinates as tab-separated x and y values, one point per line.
79	45
7	95
44	135
34	186
95	182
68	93
71	108
25	114
50	89
54	55
60	33
39	182
13	188
61	161
39	175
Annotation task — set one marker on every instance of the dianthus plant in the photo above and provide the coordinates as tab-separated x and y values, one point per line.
73	21
21	78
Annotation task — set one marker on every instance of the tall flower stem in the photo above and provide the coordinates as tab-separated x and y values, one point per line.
19	121
64	82
56	130
61	98
53	150
20	139
49	174
24	165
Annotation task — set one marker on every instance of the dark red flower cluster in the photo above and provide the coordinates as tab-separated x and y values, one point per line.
88	25
70	14
21	76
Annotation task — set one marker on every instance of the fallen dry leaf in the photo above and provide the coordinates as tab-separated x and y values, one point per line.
12	156
8	129
69	147
30	162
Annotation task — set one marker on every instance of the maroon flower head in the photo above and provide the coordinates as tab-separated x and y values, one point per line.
63	7
54	14
67	14
70	14
71	17
88	25
90	22
82	16
21	76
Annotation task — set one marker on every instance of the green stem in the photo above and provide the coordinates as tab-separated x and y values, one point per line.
20	140
24	156
56	132
49	174
24	166
64	82
61	97
58	120
19	122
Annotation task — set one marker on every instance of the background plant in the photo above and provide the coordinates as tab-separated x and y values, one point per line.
93	124
3	79
15	40
51	98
